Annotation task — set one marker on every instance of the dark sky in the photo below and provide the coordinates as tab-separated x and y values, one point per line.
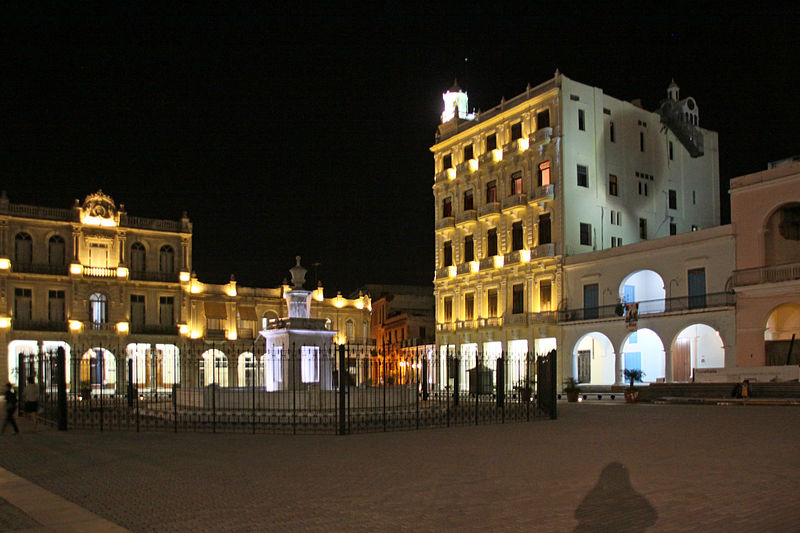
285	134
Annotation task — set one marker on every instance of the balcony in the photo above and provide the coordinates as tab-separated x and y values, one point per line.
490	209
543	317
511	258
467	324
445	223
542	194
99	272
486	263
38	268
100	326
175	226
652	307
153	329
446	326
442	273
543	250
167	277
515	201
492	322
542	136
768	274
464	268
520	319
470	215
215	334
40	325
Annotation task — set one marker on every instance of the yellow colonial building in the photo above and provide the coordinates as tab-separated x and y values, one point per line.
93	279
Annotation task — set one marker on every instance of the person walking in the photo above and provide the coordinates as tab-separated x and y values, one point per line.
30	401
11	405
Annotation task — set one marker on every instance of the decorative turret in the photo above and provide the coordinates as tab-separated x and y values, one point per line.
456	104
682	118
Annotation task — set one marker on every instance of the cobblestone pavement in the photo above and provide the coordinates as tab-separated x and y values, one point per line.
599	467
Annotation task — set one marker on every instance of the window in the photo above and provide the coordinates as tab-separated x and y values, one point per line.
468	153
55	306
447	207
491	192
583	176
673	228
98	309
447	161
544	228
469	248
448	253
166	310
56	255
166	259
516	236
581	120
697	288
642	188
642	228
694	197
23	304
491	248
544	173
518	299
516	131
545	295
543	119
23	249
98	254
516	183
491	142
616	241
611	136
673	199
575	98
491	303
586	234
469	202
448	308
469	306
137	310
641	141
590	301
616	218
612	185
671	154
138	257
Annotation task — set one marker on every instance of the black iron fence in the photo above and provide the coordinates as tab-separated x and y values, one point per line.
297	389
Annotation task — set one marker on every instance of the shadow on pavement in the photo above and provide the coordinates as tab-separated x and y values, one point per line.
614	505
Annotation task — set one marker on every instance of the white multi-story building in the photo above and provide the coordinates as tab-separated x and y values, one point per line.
560	170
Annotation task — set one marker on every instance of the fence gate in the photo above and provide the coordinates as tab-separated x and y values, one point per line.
546	384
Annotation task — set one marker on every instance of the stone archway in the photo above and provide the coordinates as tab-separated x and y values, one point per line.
594	359
782	323
643	349
696	346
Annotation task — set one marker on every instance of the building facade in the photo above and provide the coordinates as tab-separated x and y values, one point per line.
560	170
94	280
402	315
765	211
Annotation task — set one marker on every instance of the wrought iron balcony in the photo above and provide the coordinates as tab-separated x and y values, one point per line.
543	193
767	274
520	319
492	208
542	317
41	268
40	325
651	307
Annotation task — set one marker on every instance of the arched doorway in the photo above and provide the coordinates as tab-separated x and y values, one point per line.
696	346
246	371
98	371
214	368
644	350
593	360
645	287
782	323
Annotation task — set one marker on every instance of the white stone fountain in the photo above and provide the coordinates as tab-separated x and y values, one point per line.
298	347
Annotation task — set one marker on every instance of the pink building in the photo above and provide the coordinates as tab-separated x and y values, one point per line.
765	212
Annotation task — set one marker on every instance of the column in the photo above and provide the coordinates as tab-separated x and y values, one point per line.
668	374
618	369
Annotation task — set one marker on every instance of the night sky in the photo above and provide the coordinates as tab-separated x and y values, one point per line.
284	134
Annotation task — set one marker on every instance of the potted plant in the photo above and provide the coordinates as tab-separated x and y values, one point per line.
633	375
572	389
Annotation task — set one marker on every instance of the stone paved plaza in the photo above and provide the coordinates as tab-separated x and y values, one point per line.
599	467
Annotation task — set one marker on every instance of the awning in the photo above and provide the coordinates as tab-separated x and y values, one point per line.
215	310
247	312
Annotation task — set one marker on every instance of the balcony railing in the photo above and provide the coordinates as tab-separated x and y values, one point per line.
446	326
470	215
511	258
486	263
464	268
651	307
153	329
444	223
153	223
40	268
515	200
542	317
99	272
441	273
492	208
215	334
768	274
49	213
100	326
543	250
168	277
467	324
519	319
540	194
542	136
40	325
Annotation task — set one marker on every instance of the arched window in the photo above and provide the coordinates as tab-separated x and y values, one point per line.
350	329
23	249
266	317
138	257
166	259
98	309
56	251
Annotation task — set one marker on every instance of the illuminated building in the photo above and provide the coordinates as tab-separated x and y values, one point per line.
557	171
402	315
94	279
